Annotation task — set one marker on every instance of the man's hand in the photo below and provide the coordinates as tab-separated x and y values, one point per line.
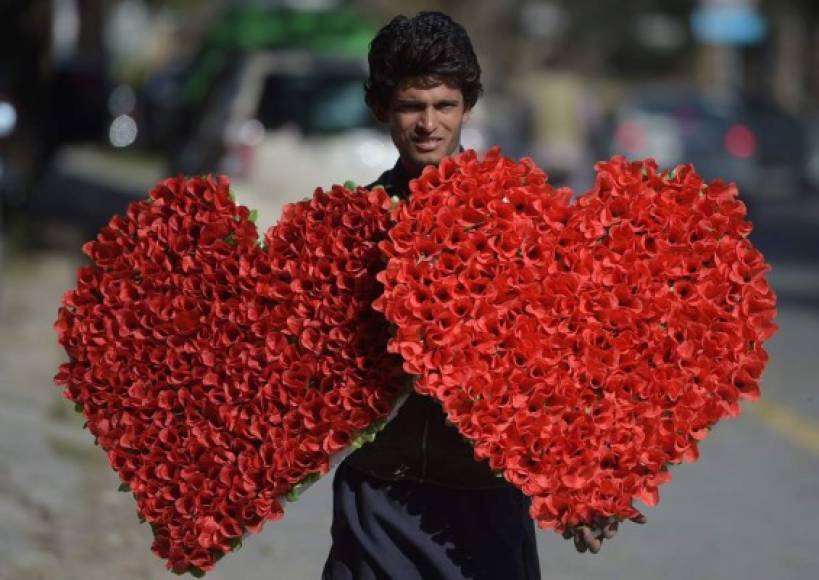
590	537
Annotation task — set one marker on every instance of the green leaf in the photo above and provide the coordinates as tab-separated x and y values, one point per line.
78	407
350	184
123	487
296	491
363	439
232	195
312	478
254	215
197	572
235	543
293	494
672	174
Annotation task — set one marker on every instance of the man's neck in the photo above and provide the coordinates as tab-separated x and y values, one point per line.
410	170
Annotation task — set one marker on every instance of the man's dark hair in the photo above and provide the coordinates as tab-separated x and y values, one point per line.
430	45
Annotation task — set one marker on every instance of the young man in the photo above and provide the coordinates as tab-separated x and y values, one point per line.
415	504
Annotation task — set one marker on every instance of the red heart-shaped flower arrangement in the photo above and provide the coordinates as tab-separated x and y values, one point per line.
583	348
218	374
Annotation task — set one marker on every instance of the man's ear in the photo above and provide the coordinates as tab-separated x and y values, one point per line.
467	112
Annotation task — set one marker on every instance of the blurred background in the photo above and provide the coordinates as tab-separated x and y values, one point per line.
99	99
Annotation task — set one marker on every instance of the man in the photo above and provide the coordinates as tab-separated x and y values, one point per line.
415	504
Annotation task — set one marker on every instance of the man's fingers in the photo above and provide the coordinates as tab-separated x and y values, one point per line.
610	529
595	546
589	537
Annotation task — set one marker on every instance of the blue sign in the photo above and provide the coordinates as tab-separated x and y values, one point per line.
728	25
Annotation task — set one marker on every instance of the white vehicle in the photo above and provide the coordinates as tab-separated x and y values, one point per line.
282	123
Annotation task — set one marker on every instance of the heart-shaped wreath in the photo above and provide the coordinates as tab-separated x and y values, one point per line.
581	347
221	374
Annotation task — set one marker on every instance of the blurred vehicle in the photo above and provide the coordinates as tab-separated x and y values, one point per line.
282	122
742	139
172	100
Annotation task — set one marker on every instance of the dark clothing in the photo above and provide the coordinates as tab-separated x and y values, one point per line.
419	444
405	530
415	504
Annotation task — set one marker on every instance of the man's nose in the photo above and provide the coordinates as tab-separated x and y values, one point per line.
426	122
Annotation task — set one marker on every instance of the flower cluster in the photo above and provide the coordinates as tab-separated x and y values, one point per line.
581	347
219	373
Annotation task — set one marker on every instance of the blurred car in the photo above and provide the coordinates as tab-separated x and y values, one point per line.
172	99
282	122
742	139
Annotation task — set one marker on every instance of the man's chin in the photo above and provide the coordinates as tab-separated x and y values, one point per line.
428	158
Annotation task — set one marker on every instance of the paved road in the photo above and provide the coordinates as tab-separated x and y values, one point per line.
745	511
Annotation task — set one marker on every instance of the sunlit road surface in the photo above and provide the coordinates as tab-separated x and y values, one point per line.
745	511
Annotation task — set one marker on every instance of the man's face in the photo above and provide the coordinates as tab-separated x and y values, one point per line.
425	119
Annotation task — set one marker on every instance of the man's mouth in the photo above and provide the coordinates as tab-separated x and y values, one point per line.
426	145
